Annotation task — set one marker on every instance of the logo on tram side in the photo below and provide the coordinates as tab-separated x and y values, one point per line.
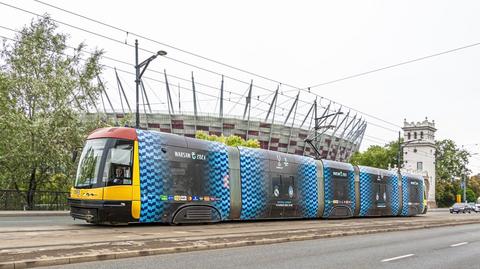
340	174
190	155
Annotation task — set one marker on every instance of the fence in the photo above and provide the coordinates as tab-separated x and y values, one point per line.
43	200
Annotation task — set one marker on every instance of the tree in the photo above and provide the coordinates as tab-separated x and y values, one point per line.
474	184
451	166
49	85
446	191
377	156
232	140
471	196
450	161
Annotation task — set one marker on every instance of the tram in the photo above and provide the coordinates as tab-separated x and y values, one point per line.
127	175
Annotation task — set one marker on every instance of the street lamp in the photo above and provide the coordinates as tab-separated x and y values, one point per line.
138	76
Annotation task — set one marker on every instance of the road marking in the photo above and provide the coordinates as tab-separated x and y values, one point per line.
398	258
458	244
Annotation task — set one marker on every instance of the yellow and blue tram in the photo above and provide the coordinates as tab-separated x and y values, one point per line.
129	175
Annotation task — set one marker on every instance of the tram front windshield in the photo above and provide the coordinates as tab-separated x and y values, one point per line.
89	164
105	162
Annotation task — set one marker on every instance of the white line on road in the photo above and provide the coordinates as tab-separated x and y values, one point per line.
398	258
458	244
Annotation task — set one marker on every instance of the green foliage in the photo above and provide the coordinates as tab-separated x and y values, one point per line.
451	166
474	184
450	161
231	140
44	89
445	192
377	156
471	196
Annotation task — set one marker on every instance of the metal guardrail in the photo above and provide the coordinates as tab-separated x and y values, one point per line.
42	200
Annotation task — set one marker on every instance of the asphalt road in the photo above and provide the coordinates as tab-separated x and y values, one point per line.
447	247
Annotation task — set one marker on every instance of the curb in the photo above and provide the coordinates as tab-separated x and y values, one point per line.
159	251
33	213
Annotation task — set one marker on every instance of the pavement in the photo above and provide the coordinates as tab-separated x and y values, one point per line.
19	213
436	248
30	241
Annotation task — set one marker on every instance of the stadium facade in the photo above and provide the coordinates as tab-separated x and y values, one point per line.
337	144
336	133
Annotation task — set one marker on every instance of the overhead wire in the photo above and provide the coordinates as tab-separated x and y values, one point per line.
183	62
123	62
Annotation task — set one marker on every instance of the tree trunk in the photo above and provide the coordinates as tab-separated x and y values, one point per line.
32	187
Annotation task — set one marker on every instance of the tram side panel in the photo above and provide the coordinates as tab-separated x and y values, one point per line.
277	185
309	191
339	189
254	175
412	192
379	192
181	179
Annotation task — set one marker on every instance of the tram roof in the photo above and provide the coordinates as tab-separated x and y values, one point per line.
114	132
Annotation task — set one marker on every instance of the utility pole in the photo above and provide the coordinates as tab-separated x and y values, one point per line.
138	77
399	152
137	85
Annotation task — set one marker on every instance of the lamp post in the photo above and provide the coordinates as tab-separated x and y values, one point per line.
139	70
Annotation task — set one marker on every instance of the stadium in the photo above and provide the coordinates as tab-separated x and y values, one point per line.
279	120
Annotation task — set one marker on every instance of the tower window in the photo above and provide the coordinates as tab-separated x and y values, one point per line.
415	135
409	136
421	135
420	166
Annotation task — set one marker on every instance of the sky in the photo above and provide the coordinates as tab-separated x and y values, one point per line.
300	44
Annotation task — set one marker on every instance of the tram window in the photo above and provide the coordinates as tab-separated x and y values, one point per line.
283	186
414	192
187	178
89	163
276	186
340	187
288	187
118	164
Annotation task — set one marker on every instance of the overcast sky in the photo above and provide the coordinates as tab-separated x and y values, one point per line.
301	43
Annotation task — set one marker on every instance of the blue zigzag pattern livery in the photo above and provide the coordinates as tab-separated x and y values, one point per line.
253	173
307	171
351	189
153	171
366	192
405	195
218	178
327	173
328	177
395	196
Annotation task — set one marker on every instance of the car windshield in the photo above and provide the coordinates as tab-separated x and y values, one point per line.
458	205
89	164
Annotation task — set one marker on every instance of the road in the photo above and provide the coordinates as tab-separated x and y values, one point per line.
446	247
59	237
